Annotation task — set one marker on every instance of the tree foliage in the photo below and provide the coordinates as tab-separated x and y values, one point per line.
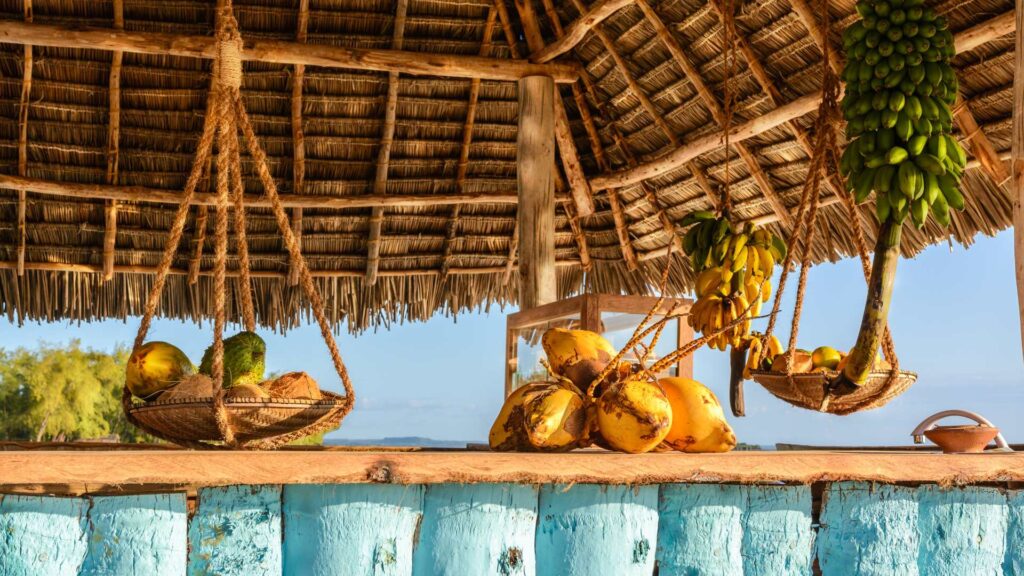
66	392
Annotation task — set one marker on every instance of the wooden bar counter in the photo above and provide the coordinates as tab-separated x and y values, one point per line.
407	511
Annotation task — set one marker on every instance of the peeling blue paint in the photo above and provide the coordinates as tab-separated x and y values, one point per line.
42	535
142	535
236	531
868	529
778	539
1014	561
963	531
700	529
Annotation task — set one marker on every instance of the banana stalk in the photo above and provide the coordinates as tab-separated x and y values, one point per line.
737	362
876	310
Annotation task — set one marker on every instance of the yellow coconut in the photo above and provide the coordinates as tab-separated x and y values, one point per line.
698	422
555	418
156	366
579	355
634	415
509	431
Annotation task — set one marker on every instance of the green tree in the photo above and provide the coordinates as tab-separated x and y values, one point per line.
70	392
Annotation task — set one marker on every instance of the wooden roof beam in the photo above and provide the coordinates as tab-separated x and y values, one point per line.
577	31
807	15
803	105
380	183
113	145
716	110
579	187
1017	163
23	105
467	139
298	139
381	60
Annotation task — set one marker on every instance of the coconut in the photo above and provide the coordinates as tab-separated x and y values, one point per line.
634	415
579	355
555	418
508	431
245	391
295	385
194	386
698	421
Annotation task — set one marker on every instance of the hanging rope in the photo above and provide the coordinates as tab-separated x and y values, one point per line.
225	114
729	95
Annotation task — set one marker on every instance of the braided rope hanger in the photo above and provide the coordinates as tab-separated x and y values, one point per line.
825	149
225	114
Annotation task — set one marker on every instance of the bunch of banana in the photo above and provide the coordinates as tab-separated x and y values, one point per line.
712	242
711	313
760	355
899	89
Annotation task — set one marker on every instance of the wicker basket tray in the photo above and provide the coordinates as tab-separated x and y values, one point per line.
808	390
191	419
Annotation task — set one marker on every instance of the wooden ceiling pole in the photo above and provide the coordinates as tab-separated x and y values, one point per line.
535	158
716	110
113	145
588	20
675	159
579	188
1017	163
380	183
467	140
23	104
298	139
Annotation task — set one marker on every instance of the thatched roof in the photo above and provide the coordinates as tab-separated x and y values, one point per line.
433	255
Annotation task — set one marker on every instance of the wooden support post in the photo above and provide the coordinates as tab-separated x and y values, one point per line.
535	157
298	139
113	146
1017	163
380	183
579	188
23	104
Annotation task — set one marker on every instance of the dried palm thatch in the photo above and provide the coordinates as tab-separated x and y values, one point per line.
652	79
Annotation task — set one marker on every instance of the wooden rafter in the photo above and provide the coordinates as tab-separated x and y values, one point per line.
298	138
467	140
1017	163
574	34
579	187
803	105
808	16
277	52
23	105
113	146
380	183
618	214
978	142
715	108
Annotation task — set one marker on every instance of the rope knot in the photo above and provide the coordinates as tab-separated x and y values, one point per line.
229	52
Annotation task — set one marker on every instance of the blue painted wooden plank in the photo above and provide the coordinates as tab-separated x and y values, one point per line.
477	529
236	531
355	529
41	535
777	536
593	530
1014	561
963	531
144	535
868	529
700	529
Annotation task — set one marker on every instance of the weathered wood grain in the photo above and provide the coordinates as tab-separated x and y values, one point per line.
700	529
868	529
1014	561
535	171
963	531
777	536
236	531
42	535
477	529
350	529
142	535
593	530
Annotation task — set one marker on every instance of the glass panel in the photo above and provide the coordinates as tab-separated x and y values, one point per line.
619	326
529	350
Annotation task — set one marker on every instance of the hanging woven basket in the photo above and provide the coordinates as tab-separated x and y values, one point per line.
812	390
216	421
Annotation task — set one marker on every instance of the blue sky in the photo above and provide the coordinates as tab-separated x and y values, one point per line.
954	320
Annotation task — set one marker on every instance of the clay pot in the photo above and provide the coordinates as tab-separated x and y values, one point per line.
966	438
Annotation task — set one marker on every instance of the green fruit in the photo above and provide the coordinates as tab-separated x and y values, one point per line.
937	146
885	48
951	192
916	144
929	109
933	54
885	139
894	34
879	101
910	30
889	118
914	107
883	25
876	161
906	177
940	211
882	209
927	30
923	126
244	359
882	9
897	62
896	101
872	57
894	78
898	17
882	70
905	47
924	89
915	73
862	187
883	178
919	212
914	59
930	164
690	240
864	9
872	39
866	144
954	150
933	72
865	72
931	187
872	120
915	13
904	127
896	155
921	44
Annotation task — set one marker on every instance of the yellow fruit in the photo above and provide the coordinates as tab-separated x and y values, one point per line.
555	419
579	355
698	422
774	347
826	357
801	362
508	431
634	416
156	366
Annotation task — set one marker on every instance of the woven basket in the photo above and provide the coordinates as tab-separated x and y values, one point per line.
192	420
808	390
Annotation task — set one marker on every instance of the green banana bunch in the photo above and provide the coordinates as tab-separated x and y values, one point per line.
899	89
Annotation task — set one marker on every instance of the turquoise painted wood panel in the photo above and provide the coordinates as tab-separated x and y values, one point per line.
477	529
778	539
1014	561
700	529
963	531
42	535
143	535
868	529
355	529
236	531
597	530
